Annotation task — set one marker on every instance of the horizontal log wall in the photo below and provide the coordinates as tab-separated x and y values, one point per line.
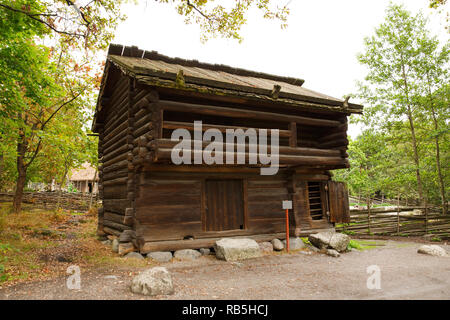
295	129
169	205
134	134
113	168
335	138
321	142
264	198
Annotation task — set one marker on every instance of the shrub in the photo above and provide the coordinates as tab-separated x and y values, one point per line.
306	241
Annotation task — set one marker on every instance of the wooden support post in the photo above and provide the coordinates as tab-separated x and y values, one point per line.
293	136
426	218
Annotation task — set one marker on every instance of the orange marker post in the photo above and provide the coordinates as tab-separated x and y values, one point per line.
287	230
287	204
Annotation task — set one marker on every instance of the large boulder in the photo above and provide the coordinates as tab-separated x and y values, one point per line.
107	242
433	250
115	245
332	253
230	249
330	240
153	282
187	254
294	244
277	245
312	248
133	255
125	248
160	256
266	247
205	251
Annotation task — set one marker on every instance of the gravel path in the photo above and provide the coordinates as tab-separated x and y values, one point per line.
405	274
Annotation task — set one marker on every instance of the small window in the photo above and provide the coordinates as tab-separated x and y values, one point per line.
315	201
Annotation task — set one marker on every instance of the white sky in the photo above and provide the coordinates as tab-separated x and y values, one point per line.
319	45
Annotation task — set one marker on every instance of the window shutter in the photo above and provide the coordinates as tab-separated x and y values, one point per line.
338	202
302	205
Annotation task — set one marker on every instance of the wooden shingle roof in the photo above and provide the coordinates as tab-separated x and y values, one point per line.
85	173
155	69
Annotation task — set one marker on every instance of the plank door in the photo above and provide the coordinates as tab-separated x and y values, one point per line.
224	205
338	202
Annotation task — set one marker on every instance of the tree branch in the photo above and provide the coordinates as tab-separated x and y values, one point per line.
60	107
35	16
198	11
70	3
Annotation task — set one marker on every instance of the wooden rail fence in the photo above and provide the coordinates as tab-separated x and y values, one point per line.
49	200
379	221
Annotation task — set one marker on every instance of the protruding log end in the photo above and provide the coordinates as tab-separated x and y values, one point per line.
275	91
345	103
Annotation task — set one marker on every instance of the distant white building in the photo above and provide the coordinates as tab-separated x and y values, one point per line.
85	179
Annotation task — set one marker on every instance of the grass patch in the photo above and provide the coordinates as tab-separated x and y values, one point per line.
44	243
305	240
353	244
38	244
365	244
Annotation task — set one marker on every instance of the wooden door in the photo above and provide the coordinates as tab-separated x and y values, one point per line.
338	202
224	205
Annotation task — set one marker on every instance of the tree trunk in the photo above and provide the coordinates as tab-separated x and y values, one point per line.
1	165
416	155
438	155
413	137
438	165
66	171
22	177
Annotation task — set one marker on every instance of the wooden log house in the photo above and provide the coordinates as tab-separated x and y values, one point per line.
144	96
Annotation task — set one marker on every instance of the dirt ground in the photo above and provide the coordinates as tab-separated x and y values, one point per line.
405	274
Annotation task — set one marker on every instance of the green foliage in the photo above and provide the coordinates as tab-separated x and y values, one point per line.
226	20
71	188
405	141
49	74
437	3
353	244
305	240
47	92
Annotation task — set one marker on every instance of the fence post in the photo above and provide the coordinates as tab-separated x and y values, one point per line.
426	218
398	214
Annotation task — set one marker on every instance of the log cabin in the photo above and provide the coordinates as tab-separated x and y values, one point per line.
145	96
84	179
